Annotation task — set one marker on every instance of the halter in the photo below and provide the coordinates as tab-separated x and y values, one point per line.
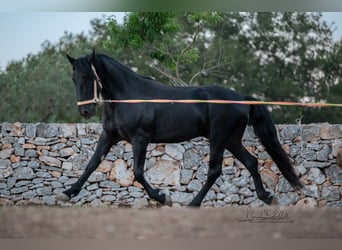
97	82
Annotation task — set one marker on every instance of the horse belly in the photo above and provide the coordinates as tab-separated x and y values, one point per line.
179	123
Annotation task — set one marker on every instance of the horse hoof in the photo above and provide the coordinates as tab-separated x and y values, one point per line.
62	197
168	201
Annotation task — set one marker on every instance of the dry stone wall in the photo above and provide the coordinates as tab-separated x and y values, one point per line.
38	161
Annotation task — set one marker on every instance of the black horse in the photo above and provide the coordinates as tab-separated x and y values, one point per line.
142	123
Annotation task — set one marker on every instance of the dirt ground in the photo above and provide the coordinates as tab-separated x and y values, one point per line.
163	223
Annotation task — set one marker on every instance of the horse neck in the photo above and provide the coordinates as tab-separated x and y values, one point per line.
116	81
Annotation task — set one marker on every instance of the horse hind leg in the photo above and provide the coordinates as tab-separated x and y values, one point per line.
251	163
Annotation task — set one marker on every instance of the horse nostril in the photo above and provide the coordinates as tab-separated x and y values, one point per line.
85	113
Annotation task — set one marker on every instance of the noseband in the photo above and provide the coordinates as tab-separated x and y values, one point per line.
97	82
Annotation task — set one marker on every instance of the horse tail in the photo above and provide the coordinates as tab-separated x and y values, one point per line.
263	125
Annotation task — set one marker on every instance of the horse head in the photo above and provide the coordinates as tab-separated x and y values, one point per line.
86	82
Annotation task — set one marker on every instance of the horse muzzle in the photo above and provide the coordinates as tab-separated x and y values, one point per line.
87	111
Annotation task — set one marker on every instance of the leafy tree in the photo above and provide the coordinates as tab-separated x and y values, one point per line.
167	43
272	56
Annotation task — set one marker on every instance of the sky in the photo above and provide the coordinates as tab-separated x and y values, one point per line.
24	32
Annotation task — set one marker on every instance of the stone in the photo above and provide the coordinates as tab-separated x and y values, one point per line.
315	164
96	177
191	159
186	176
30	130
334	204
194	185
315	175
19	151
49	200
181	197
308	154
269	178
329	131
47	130
311	132
159	150
6	172
78	161
232	198
43	175
175	151
287	199
331	193
19	190
323	153
56	184
311	191
108	184
119	151
241	181
228	161
29	146
339	157
65	152
31	153
68	130
210	196
82	129
29	194
245	192
23	173
140	203
228	170
290	132
294	150
33	164
50	161
106	198
229	188
121	174
164	173
334	173
15	159
12	129
67	166
6	153
43	191
249	200
105	166
284	186
307	202
202	172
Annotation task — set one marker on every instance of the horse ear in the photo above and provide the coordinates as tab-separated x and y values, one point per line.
71	59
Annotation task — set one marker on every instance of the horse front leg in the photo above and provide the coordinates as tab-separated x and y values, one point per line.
106	141
139	154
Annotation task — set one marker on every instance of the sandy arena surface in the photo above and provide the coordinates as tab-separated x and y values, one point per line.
163	223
